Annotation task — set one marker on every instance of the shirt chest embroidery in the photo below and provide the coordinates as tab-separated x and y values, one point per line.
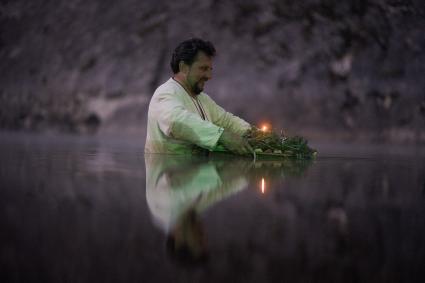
199	108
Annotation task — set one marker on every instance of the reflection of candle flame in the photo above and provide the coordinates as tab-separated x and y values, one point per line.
263	187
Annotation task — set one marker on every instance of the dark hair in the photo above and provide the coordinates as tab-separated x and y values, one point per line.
187	50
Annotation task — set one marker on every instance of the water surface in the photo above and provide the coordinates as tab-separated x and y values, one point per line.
81	209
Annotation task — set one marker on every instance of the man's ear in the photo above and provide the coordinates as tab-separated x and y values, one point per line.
183	67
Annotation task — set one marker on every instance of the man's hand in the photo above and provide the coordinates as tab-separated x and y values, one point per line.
235	143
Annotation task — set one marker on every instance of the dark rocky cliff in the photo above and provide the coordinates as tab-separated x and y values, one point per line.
336	69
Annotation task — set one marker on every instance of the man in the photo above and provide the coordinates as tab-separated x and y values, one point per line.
182	119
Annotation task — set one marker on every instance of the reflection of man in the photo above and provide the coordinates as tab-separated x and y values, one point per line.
179	188
182	118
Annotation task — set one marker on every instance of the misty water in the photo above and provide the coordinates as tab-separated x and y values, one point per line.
91	209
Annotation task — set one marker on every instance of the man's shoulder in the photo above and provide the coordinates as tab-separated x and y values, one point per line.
167	87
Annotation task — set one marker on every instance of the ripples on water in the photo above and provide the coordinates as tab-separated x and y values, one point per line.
76	209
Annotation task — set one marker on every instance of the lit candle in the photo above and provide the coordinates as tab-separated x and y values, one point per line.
263	186
264	128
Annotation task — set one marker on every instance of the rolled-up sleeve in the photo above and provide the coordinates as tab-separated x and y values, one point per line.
226	119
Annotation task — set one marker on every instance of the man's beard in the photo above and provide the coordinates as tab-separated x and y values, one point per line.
197	89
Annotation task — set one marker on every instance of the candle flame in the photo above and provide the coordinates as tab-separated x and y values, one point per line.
264	128
263	186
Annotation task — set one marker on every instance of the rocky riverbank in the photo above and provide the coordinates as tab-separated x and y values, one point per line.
346	69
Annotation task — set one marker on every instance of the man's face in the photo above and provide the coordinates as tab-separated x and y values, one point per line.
199	72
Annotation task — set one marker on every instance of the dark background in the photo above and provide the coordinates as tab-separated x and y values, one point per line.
328	70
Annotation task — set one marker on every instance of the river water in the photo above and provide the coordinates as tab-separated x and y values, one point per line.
87	209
